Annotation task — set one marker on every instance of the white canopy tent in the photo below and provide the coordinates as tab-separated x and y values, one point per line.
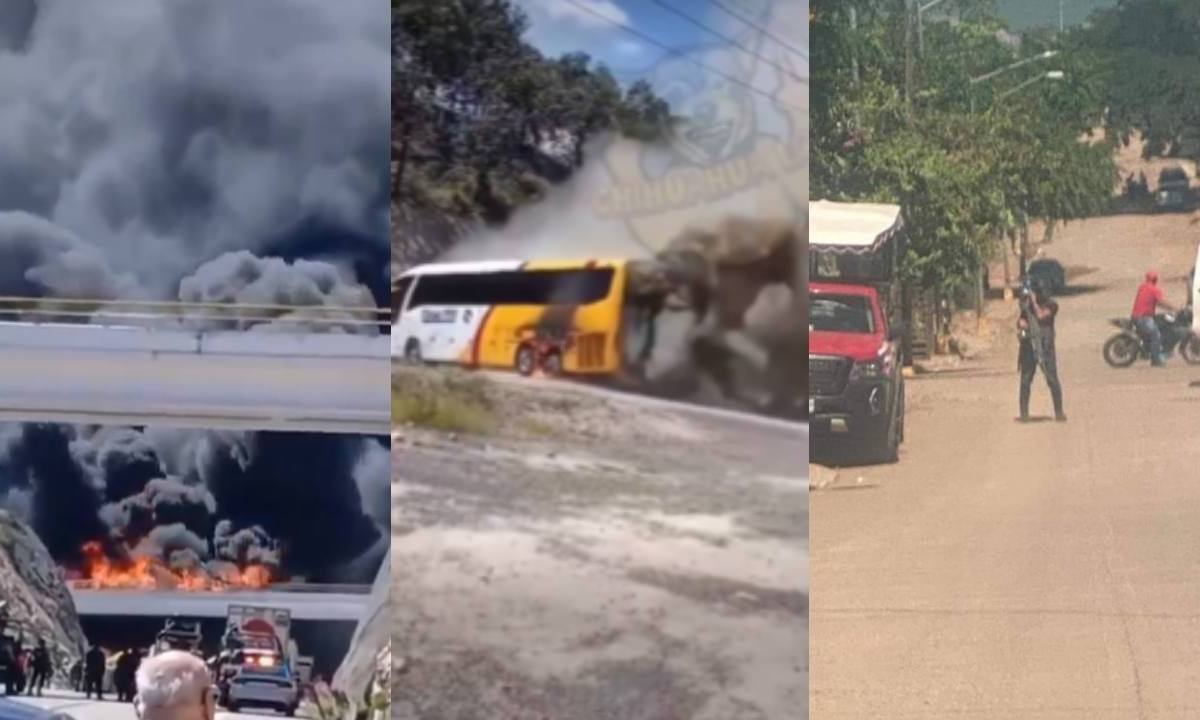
858	228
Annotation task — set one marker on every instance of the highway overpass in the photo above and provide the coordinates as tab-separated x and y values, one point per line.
142	367
165	603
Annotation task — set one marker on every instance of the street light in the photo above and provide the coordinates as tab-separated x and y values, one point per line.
1049	75
1052	75
1010	67
1020	63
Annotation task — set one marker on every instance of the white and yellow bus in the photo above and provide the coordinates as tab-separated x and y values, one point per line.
553	316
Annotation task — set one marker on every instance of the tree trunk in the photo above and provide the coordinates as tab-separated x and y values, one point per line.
1007	259
979	293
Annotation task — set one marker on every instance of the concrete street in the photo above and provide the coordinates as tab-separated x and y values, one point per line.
1008	571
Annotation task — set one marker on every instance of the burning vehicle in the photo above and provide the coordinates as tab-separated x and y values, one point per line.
715	306
159	509
139	508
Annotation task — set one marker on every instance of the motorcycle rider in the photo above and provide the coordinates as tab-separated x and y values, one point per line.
1145	306
1045	310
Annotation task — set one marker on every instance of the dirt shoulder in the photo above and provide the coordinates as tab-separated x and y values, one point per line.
564	554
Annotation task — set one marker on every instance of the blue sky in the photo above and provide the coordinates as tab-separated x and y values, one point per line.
559	26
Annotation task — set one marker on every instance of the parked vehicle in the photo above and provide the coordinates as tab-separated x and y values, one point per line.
256	666
1050	273
262	677
1128	346
856	383
1174	190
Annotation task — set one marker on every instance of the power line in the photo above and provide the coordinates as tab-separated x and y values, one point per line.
672	51
742	18
724	37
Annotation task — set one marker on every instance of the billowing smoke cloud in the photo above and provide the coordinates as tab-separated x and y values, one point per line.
151	136
245	279
712	194
41	259
312	506
202	150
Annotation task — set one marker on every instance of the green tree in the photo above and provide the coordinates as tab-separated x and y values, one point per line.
1151	58
482	121
962	178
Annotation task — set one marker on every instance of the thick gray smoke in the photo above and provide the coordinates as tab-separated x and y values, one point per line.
152	136
311	507
204	150
703	203
245	279
41	259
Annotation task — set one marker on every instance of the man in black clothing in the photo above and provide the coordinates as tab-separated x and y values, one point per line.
42	666
1036	327
93	672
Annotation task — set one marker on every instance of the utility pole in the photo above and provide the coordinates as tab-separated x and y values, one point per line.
854	55
909	18
1061	26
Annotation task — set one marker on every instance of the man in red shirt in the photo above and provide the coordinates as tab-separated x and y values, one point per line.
1145	305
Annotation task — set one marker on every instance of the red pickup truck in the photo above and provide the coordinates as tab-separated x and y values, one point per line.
856	386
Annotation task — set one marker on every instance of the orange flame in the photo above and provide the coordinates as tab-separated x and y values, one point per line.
147	573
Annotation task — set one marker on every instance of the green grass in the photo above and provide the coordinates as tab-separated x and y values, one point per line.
446	401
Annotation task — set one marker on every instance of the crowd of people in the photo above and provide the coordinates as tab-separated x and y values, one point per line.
26	669
89	679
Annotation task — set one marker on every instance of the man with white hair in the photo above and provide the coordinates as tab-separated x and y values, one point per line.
175	685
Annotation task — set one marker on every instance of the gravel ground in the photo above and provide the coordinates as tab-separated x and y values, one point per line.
595	556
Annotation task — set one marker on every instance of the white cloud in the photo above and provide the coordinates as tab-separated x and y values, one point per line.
562	26
571	12
630	48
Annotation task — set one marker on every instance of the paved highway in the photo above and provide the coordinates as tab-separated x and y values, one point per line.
81	709
641	559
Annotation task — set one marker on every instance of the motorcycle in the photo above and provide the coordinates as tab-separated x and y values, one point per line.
1128	346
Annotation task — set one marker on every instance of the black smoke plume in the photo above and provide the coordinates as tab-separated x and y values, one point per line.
199	150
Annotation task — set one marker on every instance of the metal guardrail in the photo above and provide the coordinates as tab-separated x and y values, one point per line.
140	313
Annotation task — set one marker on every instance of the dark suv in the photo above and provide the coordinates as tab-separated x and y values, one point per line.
1174	190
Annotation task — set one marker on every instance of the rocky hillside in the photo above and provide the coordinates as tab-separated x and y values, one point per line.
37	601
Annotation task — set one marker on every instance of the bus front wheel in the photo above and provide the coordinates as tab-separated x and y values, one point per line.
526	360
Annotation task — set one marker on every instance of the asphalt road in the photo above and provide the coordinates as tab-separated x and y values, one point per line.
1008	571
630	559
77	707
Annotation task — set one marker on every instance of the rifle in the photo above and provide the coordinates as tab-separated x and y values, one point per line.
1033	327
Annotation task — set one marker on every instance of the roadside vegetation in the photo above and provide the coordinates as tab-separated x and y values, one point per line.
897	117
483	123
442	400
